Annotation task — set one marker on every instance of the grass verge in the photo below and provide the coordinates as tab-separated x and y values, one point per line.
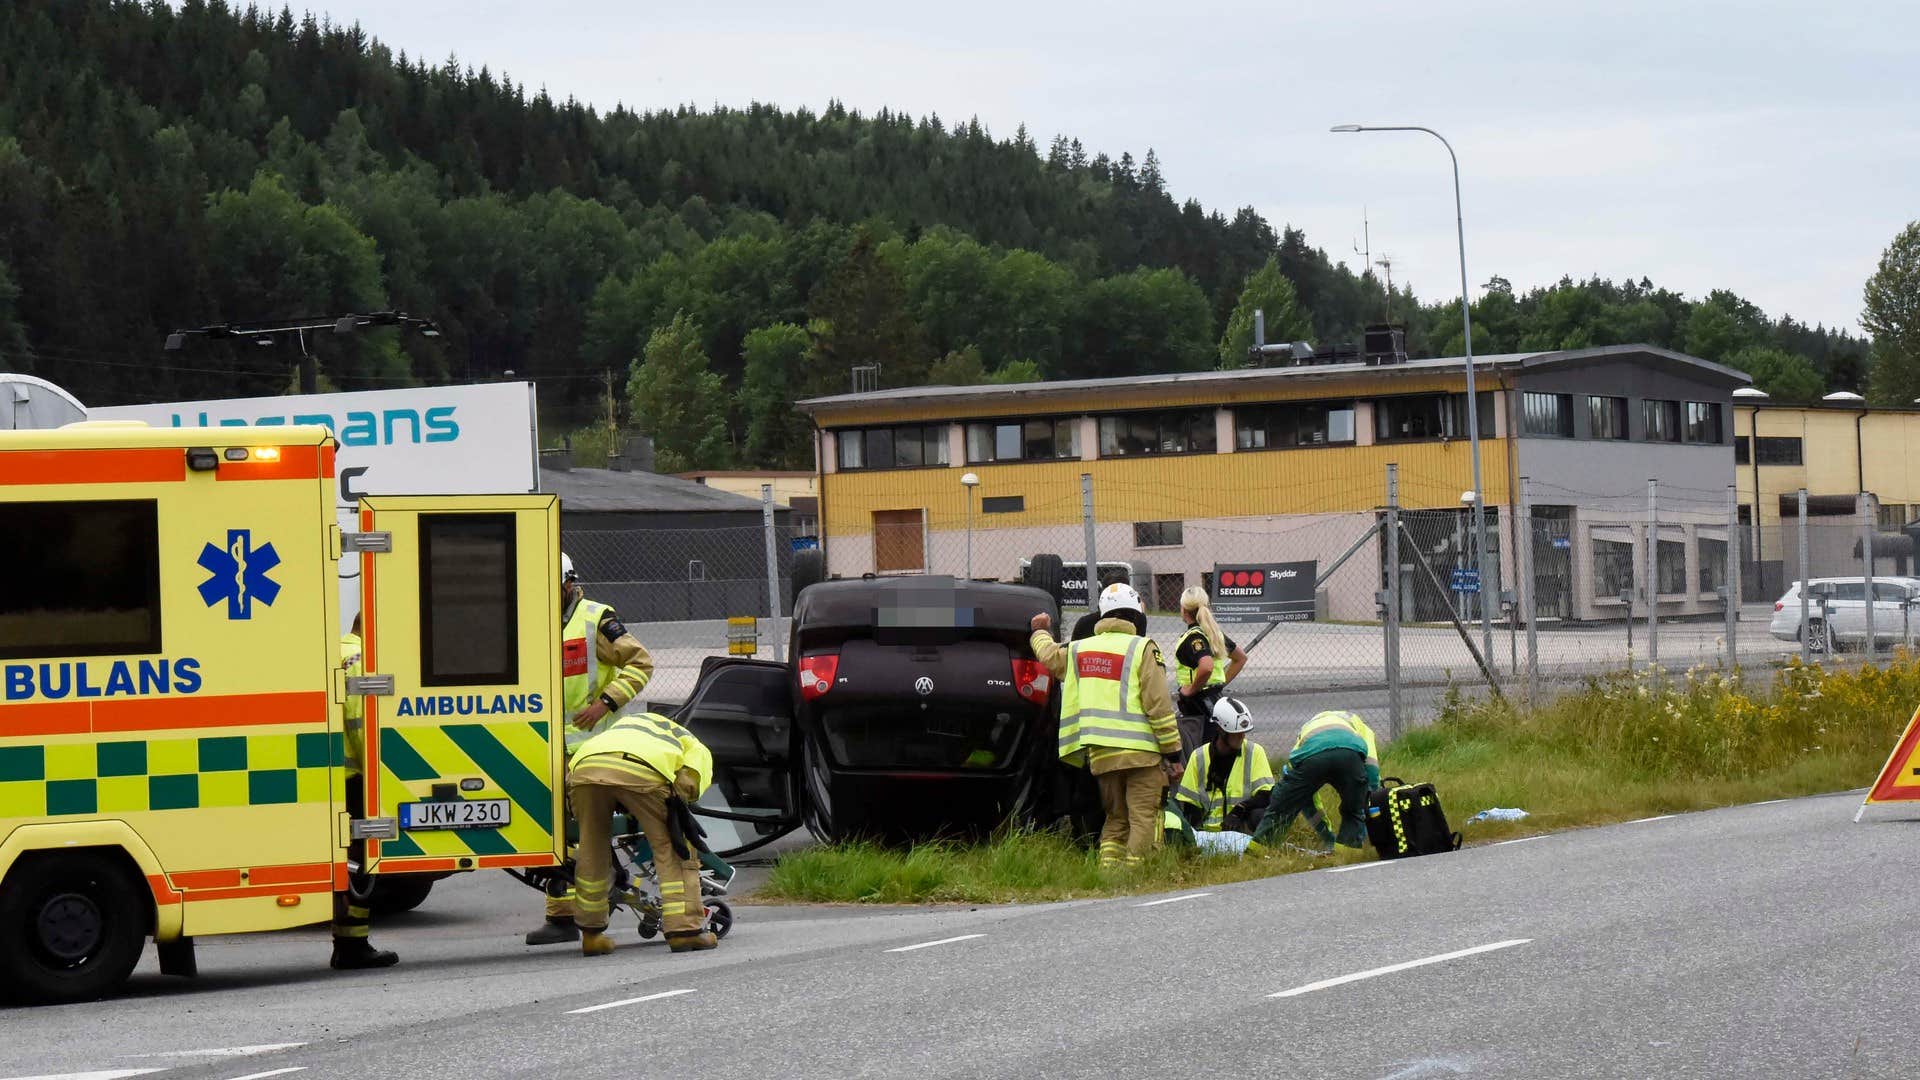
1624	747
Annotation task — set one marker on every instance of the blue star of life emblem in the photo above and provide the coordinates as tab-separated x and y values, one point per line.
239	574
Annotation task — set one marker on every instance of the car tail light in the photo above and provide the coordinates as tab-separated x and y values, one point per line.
1030	678
816	674
1778	605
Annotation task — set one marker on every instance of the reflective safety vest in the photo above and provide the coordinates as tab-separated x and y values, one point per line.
581	670
1185	673
1100	695
648	745
1249	776
1330	729
355	710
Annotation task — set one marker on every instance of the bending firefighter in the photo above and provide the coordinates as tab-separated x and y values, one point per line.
603	667
1334	749
351	949
1204	662
1116	718
1228	782
655	770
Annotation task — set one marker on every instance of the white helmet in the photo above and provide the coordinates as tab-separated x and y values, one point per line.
567	572
1120	596
1232	715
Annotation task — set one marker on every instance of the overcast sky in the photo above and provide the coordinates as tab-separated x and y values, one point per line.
1769	148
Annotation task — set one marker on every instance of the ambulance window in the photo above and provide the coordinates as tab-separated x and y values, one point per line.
80	579
469	614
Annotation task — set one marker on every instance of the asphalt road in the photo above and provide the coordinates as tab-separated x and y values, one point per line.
1756	941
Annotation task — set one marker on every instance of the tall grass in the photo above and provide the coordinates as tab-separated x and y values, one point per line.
1622	747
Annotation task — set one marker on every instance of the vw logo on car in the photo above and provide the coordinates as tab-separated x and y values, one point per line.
923	686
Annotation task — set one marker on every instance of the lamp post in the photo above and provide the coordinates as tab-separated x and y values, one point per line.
1473	399
970	481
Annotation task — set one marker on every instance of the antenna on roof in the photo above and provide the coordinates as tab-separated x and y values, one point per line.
1385	262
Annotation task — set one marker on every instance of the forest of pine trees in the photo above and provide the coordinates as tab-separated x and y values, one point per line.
166	167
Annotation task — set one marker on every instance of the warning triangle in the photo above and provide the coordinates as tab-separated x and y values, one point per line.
1900	777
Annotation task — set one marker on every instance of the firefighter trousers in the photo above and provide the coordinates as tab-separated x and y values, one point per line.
1132	799
350	919
596	791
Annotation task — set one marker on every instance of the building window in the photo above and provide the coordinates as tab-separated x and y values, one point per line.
1429	416
1670	567
83	579
1703	422
1546	414
1742	450
1662	419
1607	417
1185	431
1003	504
1157	533
910	447
1713	564
469	600
1311	423
1893	516
1778	450
1612	567
1039	439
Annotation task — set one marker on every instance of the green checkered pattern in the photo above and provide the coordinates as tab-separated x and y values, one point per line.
133	776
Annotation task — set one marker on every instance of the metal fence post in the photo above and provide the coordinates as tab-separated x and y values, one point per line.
1732	577
1086	524
1653	573
1805	637
1392	615
1866	567
1529	583
773	570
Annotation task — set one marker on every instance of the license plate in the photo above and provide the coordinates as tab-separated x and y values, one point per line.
463	814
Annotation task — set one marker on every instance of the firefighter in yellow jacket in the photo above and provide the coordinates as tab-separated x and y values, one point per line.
1116	718
641	763
603	666
351	949
1228	781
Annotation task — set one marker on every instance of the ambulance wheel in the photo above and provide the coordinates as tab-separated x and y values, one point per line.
72	926
719	918
395	894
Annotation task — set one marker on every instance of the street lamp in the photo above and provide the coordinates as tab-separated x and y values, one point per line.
970	481
1473	399
267	334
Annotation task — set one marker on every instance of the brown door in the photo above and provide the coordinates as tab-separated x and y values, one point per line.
899	542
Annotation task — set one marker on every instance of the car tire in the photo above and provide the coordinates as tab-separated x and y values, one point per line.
1816	636
1048	574
809	568
399	893
72	926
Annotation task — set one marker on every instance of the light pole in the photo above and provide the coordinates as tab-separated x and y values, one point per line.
970	481
1473	399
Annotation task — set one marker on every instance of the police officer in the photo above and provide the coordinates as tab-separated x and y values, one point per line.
603	666
1116	719
1204	661
351	950
642	764
1228	781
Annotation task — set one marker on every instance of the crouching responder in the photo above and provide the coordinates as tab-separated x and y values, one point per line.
1335	749
351	950
1204	661
655	770
603	666
1116	719
1228	782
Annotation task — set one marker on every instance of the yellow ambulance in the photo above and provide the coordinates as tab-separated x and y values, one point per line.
173	747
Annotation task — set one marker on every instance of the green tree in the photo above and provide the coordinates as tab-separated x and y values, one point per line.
961	367
774	358
1722	325
675	397
1139	323
1267	290
1784	376
863	306
1892	316
1015	371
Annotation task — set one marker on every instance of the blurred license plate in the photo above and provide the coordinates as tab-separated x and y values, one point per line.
464	814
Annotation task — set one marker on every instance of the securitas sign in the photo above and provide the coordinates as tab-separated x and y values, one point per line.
1275	592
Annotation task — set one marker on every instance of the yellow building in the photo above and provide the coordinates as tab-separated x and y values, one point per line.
1195	470
797	489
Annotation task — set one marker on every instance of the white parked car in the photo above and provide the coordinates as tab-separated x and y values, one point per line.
1896	611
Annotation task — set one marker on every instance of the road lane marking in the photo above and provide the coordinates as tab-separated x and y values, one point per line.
1644	820
1391	968
1766	802
1361	866
224	1051
628	1001
1174	899
270	1072
942	941
102	1074
1518	840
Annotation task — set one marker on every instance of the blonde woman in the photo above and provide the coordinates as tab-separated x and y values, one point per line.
1205	661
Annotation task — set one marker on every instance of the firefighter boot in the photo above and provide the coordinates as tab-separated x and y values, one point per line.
557	930
595	943
692	941
354	954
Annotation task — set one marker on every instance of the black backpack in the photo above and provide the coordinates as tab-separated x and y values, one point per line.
1405	819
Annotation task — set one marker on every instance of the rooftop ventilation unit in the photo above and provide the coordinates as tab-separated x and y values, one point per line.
1384	343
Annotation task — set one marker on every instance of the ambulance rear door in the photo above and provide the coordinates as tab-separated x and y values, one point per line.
460	602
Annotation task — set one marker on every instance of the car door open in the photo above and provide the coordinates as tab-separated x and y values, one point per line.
743	711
